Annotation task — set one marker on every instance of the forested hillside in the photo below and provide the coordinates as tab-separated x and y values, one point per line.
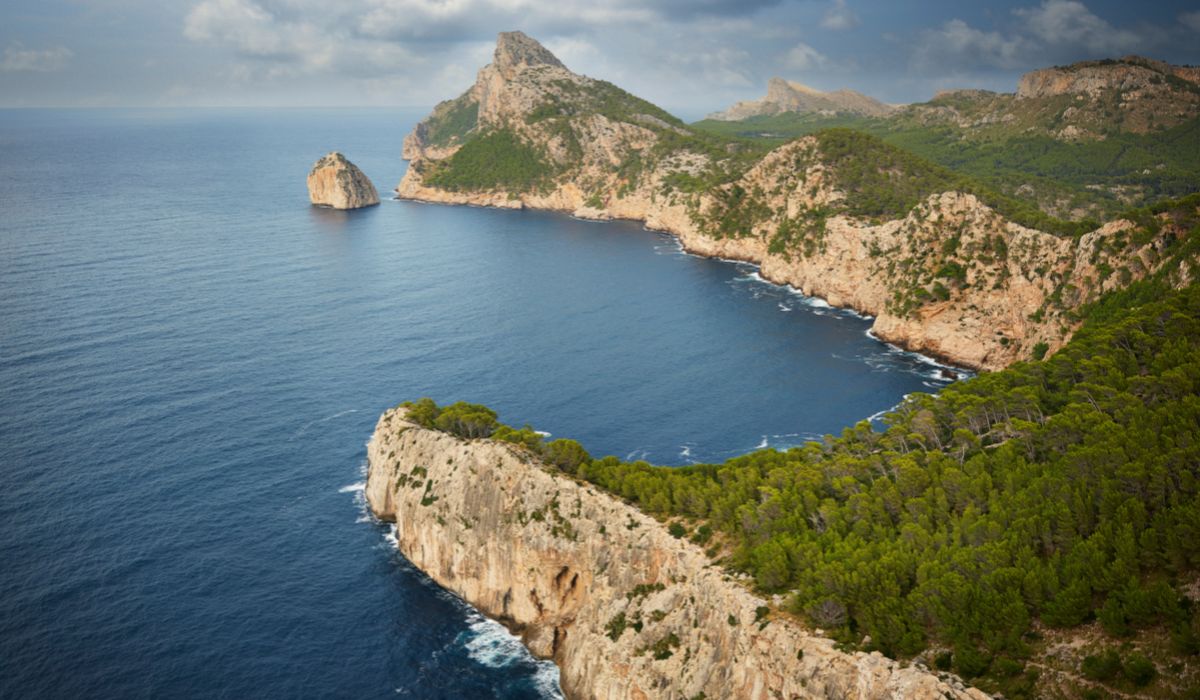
1067	179
1080	141
1044	497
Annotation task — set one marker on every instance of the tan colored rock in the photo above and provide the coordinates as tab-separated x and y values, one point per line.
1093	77
559	562
336	182
789	96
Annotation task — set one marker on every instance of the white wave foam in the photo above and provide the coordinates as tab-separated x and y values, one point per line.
762	445
311	423
543	433
357	486
936	373
493	646
880	414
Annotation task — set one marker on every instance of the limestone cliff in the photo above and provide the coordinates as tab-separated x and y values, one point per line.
788	96
1084	101
623	608
336	182
949	276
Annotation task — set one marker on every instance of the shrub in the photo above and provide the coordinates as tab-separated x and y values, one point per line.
1102	667
565	454
1140	670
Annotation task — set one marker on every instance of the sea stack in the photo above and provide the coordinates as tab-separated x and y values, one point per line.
336	182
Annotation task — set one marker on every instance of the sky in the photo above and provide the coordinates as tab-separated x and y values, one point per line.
691	56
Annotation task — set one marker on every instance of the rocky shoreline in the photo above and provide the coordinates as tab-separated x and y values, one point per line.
990	332
950	277
956	368
623	608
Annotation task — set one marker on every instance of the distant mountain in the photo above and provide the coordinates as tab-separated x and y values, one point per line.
1084	141
1090	100
787	96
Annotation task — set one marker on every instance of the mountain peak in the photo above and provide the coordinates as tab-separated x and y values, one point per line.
516	50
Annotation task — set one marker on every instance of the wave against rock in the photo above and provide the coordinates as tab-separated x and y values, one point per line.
336	182
623	608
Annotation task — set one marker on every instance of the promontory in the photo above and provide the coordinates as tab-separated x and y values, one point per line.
944	265
623	608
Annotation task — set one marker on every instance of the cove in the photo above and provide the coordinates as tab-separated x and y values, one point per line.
193	358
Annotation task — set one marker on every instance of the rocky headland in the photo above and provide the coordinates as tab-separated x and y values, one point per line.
623	608
337	183
947	275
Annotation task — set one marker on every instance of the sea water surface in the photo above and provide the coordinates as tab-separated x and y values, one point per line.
192	359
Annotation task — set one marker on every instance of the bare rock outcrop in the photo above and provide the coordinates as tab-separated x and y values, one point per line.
336	182
1093	77
623	608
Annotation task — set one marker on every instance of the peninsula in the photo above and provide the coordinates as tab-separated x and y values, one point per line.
944	265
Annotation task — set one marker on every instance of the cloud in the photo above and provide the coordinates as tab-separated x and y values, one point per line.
1191	20
683	44
958	43
290	38
839	17
1054	31
18	59
1071	23
722	66
804	57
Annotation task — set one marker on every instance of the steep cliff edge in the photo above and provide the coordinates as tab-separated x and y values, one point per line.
624	609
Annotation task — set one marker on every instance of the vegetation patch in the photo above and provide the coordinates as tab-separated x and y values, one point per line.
497	160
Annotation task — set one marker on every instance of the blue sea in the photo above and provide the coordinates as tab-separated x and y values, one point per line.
192	359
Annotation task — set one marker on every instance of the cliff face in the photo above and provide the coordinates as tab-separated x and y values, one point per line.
1081	102
336	182
624	609
787	96
1093	77
951	277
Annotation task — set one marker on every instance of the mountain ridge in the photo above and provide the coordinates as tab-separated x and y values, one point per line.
837	215
790	96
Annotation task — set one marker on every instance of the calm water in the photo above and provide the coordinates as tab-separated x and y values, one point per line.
192	359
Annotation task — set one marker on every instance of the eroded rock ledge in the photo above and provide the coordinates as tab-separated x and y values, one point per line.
623	608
